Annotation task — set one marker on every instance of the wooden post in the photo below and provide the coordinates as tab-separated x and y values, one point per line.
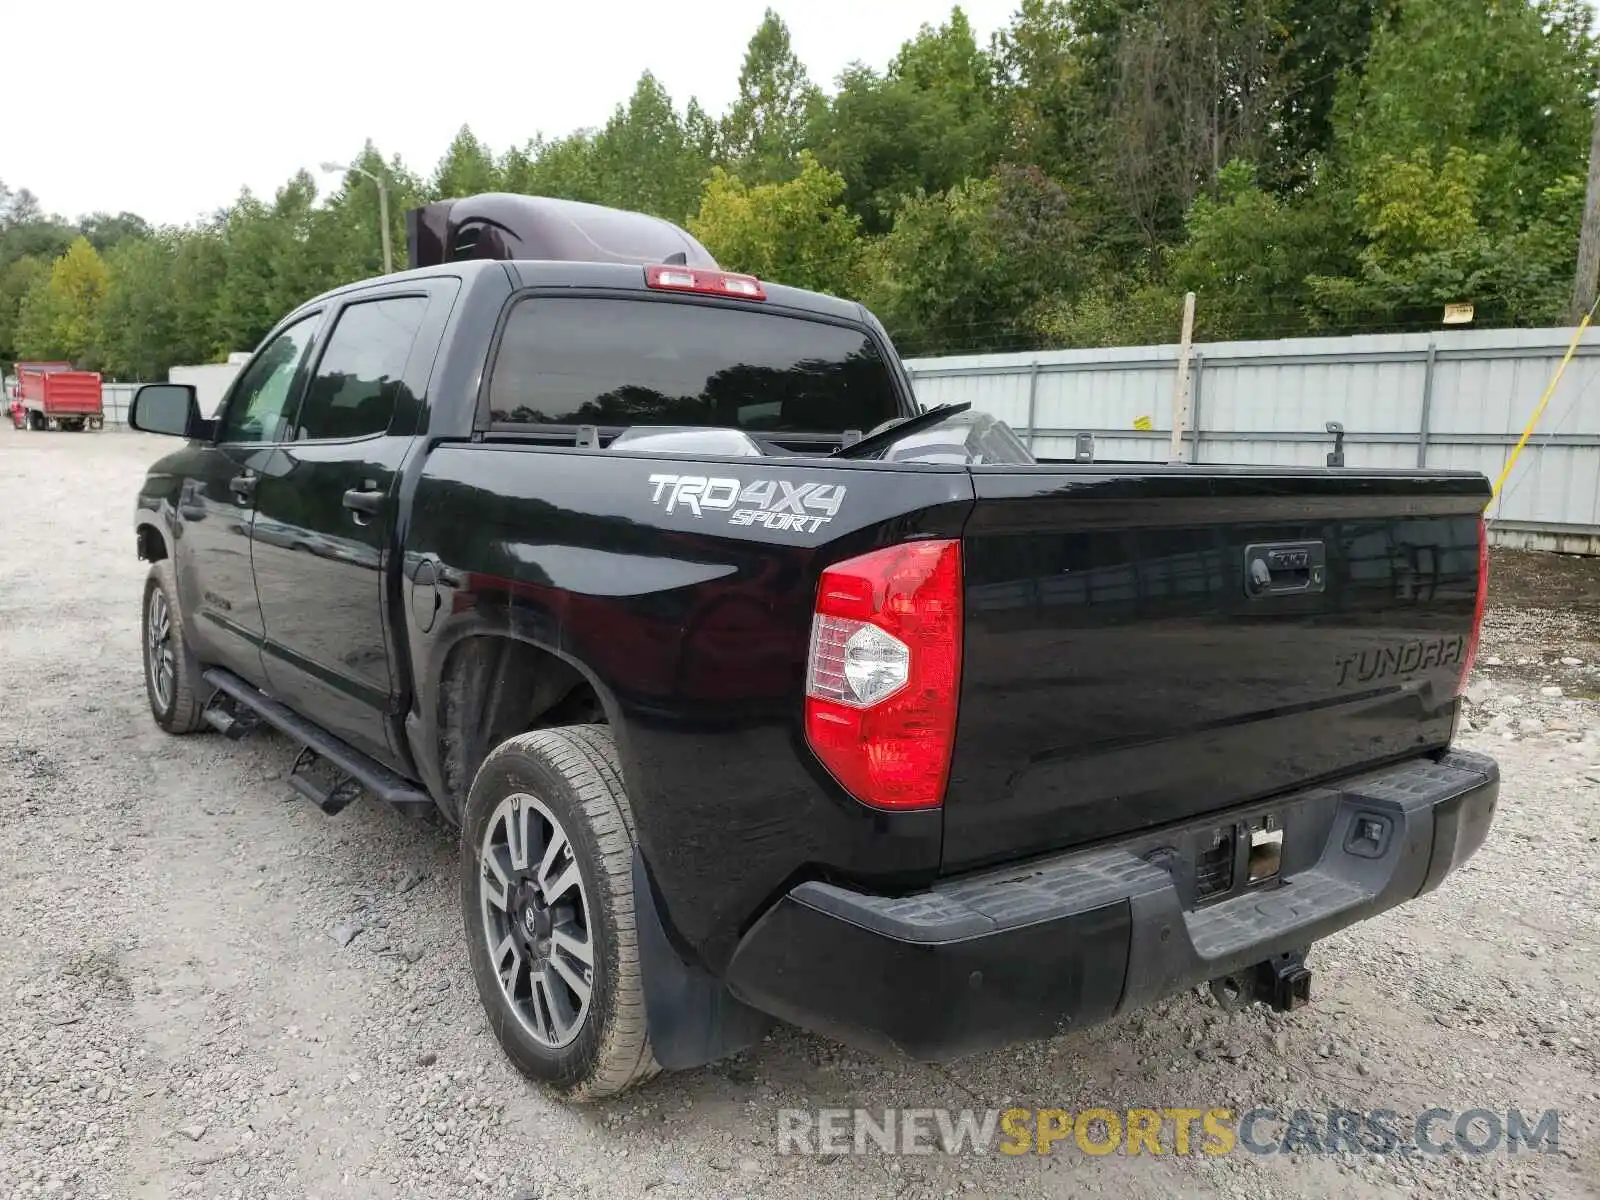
1180	386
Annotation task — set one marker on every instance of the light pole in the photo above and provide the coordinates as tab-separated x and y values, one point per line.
383	205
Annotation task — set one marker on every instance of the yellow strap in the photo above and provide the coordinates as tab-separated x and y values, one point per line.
1549	391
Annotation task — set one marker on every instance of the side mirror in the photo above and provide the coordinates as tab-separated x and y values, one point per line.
169	408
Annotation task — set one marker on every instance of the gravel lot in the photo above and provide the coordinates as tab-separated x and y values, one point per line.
178	1016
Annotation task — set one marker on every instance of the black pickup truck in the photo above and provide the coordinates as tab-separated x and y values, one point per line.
756	692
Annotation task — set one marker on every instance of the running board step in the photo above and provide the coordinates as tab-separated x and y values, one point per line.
349	764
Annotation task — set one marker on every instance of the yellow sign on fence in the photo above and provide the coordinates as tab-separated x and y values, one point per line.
1143	423
1458	314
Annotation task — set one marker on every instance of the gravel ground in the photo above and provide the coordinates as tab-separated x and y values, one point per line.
179	1016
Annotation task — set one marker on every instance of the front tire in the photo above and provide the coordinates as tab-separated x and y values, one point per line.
171	675
547	900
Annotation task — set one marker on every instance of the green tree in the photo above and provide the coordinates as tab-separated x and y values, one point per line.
1302	165
795	232
1460	155
1040	66
975	267
342	233
199	274
765	129
59	316
27	231
269	267
1248	253
136	322
931	121
646	158
105	231
17	279
1429	242
466	169
1510	81
1326	42
564	168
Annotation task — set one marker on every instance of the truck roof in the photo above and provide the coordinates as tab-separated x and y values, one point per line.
540	241
608	276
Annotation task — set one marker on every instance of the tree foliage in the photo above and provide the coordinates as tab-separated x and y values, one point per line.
765	130
929	122
795	232
59	315
1301	165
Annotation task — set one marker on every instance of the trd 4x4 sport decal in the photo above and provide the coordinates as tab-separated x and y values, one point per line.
771	503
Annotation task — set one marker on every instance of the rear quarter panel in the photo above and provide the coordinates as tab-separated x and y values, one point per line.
694	629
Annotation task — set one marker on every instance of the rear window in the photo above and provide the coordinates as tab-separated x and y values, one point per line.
651	362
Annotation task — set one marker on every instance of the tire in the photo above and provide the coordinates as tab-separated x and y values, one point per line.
171	674
560	786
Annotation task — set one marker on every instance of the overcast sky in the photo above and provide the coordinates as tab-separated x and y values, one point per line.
167	108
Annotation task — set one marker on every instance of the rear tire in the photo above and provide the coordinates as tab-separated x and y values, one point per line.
171	674
548	906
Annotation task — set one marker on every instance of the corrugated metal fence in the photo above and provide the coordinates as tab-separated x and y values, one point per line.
115	398
1449	399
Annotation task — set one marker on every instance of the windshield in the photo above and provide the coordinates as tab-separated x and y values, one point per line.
619	362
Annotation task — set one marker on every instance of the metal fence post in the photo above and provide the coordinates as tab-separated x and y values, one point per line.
1194	404
1033	399
1427	405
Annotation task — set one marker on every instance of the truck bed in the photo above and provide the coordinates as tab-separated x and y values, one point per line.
62	393
1116	675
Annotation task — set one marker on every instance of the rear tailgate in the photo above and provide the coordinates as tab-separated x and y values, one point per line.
1145	645
72	394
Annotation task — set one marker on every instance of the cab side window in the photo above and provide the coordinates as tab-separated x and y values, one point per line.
264	395
360	379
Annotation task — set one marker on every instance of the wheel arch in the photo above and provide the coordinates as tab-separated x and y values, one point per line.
151	541
493	683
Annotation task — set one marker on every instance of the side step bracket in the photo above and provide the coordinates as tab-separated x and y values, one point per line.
228	717
352	768
332	797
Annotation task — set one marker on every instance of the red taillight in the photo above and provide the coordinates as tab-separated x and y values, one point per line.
1471	654
884	672
709	283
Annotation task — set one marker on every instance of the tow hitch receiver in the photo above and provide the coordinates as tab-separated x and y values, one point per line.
1284	982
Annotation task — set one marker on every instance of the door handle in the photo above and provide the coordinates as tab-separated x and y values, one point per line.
190	507
364	503
243	487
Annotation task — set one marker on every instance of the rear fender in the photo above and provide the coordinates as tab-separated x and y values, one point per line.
424	726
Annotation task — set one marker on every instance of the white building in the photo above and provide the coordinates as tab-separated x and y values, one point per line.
210	380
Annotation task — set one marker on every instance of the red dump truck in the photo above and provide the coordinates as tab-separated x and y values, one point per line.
51	395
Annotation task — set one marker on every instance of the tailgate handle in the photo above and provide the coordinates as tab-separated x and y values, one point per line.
1285	568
